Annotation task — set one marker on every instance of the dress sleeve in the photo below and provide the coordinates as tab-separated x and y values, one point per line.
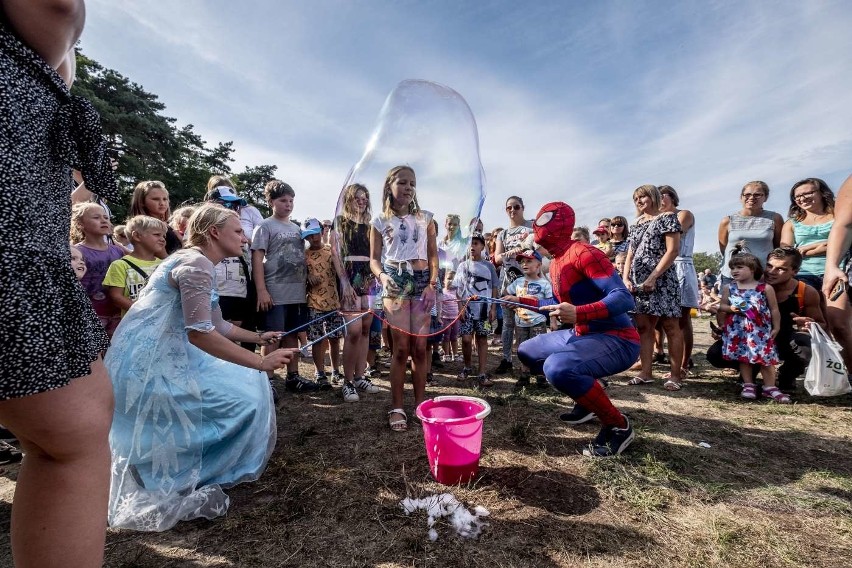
669	223
194	279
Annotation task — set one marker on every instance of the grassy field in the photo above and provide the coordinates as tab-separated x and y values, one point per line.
773	489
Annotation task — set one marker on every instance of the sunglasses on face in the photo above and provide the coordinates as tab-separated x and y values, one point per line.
513	207
748	196
617	225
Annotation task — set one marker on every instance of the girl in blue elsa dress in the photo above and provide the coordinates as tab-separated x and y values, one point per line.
193	410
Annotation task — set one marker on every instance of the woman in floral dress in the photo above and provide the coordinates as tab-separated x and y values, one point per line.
654	244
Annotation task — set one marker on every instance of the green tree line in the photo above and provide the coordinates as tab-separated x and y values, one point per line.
152	146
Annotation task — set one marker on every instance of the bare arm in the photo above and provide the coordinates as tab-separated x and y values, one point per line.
672	250
432	252
840	238
628	265
788	239
499	250
48	27
264	300
724	226
686	218
116	295
724	307
776	238
219	346
773	308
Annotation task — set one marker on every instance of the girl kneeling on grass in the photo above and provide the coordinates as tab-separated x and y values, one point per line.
750	318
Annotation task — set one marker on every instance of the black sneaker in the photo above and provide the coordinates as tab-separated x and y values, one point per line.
610	442
322	381
336	377
503	368
372	373
522	382
541	382
9	454
299	384
578	415
430	378
436	360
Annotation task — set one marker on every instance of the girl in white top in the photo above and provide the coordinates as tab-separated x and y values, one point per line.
404	257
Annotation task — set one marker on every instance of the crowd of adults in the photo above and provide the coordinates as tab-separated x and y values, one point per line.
180	405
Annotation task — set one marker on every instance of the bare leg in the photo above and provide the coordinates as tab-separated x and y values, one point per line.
646	324
60	503
318	353
746	373
291	341
671	326
334	349
482	351
688	340
768	374
840	323
467	350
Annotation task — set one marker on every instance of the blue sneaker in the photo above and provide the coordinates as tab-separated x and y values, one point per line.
611	441
578	415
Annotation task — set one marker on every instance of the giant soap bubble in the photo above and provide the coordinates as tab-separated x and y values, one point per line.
430	128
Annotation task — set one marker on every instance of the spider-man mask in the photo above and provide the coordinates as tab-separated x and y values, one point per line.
553	227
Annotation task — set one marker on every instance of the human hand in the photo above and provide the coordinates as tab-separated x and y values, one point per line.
510	298
564	312
833	281
648	285
428	297
264	301
629	285
277	359
389	284
269	337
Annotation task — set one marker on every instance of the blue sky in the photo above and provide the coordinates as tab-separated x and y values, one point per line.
574	101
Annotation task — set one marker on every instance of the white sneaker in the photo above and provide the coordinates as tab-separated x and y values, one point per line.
366	385
349	392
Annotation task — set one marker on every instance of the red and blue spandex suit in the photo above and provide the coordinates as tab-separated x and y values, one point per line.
603	341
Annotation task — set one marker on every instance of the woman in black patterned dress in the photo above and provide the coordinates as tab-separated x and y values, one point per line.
650	275
55	395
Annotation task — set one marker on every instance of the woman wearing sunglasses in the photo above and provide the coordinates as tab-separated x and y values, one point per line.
759	228
510	242
619	232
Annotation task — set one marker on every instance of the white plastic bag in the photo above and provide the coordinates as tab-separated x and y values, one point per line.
826	374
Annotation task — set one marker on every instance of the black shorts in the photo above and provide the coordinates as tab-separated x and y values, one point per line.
234	308
286	317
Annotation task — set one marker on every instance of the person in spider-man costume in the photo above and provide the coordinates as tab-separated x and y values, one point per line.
589	294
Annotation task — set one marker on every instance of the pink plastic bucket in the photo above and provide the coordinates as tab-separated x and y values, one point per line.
452	431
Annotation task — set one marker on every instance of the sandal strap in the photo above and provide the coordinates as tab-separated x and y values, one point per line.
398	411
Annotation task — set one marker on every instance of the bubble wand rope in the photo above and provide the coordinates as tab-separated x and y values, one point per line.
303	326
304	349
440	331
513	304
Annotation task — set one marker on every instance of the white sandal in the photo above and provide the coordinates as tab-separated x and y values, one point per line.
400	424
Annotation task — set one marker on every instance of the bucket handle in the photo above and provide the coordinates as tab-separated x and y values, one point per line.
486	410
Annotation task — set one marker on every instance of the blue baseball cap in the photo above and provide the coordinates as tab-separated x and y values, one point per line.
312	227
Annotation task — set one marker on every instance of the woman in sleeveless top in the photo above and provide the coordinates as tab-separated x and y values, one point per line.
351	239
758	228
686	276
838	254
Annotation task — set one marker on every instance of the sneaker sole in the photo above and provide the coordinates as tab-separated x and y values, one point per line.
588	453
583	420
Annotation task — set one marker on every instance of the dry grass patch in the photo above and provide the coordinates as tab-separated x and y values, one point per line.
773	489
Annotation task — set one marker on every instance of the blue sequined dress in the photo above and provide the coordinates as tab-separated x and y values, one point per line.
187	424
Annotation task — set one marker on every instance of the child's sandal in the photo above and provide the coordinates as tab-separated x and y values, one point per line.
400	424
749	391
775	394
